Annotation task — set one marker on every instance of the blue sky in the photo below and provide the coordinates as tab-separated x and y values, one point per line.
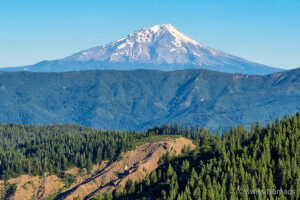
264	31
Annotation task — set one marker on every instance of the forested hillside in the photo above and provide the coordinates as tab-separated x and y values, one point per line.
263	163
135	100
32	149
234	165
43	151
29	149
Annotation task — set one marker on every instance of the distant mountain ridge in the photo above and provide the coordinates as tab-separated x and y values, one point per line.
161	47
138	99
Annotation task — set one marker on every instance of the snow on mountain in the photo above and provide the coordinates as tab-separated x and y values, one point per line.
160	47
160	44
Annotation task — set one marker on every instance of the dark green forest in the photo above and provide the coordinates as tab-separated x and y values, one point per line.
33	149
262	163
30	149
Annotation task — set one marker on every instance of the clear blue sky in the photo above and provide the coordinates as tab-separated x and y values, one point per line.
264	31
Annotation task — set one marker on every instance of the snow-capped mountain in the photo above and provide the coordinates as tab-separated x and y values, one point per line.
160	47
160	44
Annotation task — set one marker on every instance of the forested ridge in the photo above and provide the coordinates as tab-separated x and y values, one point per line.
263	163
227	166
138	99
34	149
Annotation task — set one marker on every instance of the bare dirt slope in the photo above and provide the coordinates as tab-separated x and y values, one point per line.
134	165
35	187
103	178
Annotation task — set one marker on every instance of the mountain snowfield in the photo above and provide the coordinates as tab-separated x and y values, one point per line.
160	44
161	47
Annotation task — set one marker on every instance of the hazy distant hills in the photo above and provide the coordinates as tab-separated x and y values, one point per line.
161	47
138	99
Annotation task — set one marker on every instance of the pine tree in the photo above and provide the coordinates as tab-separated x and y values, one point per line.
153	177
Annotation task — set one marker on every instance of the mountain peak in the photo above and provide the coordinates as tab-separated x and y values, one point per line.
160	47
159	44
158	27
169	28
163	28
